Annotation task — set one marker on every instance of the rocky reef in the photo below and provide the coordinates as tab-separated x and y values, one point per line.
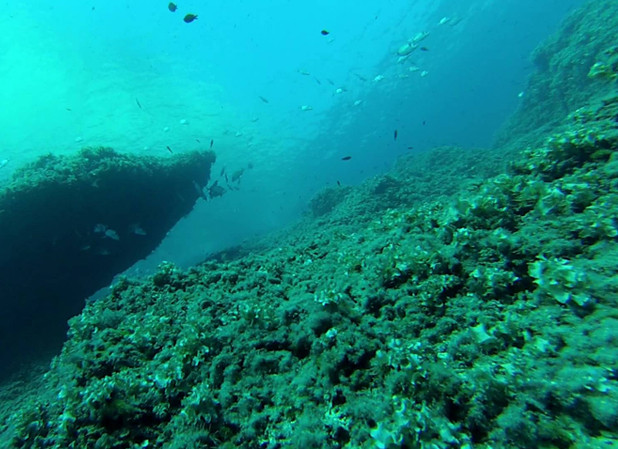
574	67
69	224
486	320
440	306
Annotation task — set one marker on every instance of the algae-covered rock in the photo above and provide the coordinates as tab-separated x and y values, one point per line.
69	224
481	316
327	199
607	65
485	319
574	68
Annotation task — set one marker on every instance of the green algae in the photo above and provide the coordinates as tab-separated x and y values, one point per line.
573	68
485	320
424	309
607	65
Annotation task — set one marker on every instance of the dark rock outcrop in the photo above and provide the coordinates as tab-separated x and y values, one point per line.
69	224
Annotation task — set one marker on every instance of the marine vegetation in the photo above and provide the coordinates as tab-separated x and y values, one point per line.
488	320
573	68
69	224
439	306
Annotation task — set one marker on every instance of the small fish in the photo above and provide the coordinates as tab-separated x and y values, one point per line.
136	229
222	171
138	103
216	190
424	122
346	158
410	148
324	32
339	183
423	49
395	135
199	190
172	6
237	174
263	99
212	142
198	140
190	18
68	109
169	149
111	234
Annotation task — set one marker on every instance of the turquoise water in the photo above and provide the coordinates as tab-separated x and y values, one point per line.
73	74
442	177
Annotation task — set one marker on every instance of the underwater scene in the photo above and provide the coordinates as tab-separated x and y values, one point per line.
331	225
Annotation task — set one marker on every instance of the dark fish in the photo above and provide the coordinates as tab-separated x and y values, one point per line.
169	149
410	148
395	135
190	18
325	32
138	104
263	99
424	122
346	158
216	190
172	6
222	171
339	183
212	142
68	109
330	82
423	49
198	140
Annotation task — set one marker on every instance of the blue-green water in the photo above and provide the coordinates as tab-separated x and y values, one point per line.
73	73
442	177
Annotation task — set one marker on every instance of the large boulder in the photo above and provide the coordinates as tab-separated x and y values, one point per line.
69	224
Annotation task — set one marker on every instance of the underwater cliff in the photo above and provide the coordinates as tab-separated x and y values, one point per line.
574	67
468	304
69	224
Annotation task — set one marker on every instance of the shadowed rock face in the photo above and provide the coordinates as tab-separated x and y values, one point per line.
574	68
69	224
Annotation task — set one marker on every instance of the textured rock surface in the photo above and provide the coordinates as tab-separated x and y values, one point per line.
69	224
564	79
483	318
443	305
